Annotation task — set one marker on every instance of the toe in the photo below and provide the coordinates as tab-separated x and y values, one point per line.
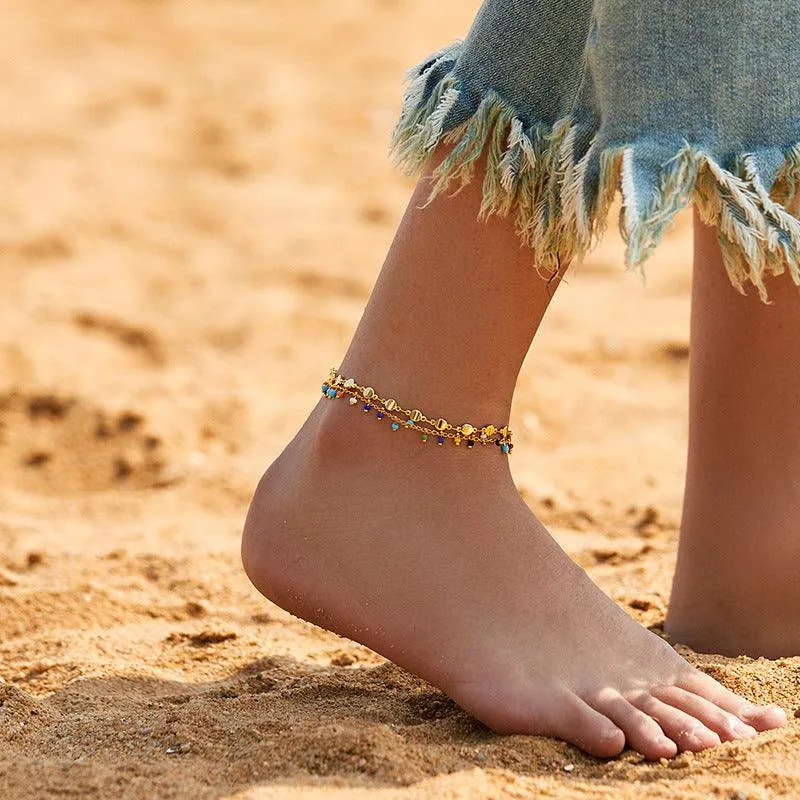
725	724
688	732
642	732
593	732
762	718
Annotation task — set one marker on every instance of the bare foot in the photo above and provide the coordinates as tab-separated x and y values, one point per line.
429	556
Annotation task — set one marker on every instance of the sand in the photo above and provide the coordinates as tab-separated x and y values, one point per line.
196	199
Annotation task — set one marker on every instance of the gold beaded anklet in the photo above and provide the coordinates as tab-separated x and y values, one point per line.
337	386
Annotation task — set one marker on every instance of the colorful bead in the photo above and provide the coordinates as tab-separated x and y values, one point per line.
337	386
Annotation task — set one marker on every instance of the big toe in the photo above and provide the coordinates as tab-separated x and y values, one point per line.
560	713
586	728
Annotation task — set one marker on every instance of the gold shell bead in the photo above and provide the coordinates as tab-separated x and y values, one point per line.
369	392
349	383
416	415
467	429
490	430
442	424
505	432
390	405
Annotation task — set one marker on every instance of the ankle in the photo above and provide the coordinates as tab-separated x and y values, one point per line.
350	434
735	585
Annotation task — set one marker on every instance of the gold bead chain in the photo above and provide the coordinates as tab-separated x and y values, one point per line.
338	386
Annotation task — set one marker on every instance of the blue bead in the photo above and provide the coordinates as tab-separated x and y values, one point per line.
505	448
440	440
331	392
379	415
409	422
324	388
367	406
395	426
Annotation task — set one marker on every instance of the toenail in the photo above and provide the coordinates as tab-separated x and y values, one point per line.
740	728
701	734
753	711
663	741
771	709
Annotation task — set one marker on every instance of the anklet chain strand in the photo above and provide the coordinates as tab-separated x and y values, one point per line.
337	387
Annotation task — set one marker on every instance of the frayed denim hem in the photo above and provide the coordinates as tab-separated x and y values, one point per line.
559	179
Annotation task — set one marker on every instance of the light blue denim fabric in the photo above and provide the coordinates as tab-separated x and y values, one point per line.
670	101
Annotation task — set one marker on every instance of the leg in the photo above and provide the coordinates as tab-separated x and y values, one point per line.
428	555
736	588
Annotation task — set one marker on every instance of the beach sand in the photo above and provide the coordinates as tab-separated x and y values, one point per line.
196	200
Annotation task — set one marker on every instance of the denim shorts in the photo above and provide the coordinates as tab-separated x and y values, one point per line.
562	102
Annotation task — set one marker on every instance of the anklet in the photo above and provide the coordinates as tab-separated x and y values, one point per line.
337	386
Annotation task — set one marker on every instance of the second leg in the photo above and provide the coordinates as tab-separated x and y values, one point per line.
737	586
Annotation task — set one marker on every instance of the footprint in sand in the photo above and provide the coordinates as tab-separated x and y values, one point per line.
132	337
65	445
